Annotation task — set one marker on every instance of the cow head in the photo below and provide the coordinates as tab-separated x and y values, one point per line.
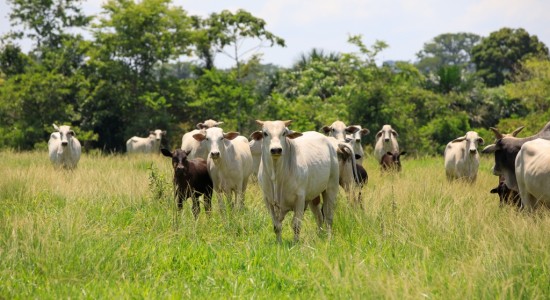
356	136
274	135
157	134
179	159
215	140
338	130
392	160
65	133
505	150
208	124
386	133
472	140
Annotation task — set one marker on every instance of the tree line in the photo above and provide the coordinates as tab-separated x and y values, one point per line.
134	72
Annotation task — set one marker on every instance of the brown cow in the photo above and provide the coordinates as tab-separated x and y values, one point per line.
391	161
191	180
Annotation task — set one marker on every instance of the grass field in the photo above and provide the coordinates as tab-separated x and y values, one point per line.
110	230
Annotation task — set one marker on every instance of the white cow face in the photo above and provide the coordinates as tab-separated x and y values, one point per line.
215	141
274	134
472	141
65	133
358	133
338	130
157	134
386	133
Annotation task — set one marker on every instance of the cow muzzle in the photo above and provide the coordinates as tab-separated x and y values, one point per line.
64	144
276	151
473	151
215	155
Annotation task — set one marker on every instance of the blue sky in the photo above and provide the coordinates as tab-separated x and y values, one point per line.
405	25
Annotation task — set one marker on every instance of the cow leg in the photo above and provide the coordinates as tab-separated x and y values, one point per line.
316	210
208	202
196	208
277	225
297	220
329	202
179	197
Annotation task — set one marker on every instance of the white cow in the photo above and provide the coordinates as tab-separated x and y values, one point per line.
462	157
386	141
355	141
150	144
229	163
533	173
190	144
338	130
64	148
256	151
295	169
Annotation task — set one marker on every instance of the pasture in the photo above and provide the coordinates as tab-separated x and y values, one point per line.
110	229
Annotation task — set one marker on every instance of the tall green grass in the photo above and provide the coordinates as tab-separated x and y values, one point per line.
110	230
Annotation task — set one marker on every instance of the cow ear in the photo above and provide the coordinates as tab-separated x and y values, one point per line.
352	129
55	127
199	136
494	191
261	123
164	132
480	141
326	129
389	153
497	133
257	135
394	132
364	131
294	135
357	156
200	126
231	135
166	152
71	132
403	153
379	134
460	139
489	149
187	152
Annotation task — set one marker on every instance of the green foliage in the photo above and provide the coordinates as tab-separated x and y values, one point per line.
497	55
447	50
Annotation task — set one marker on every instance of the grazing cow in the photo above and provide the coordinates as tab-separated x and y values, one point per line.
462	157
391	161
191	179
506	149
355	141
208	124
196	148
295	169
149	144
64	148
229	162
386	141
506	195
533	173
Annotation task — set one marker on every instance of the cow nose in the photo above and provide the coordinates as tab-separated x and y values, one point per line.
215	154
64	143
473	151
386	140
358	140
276	151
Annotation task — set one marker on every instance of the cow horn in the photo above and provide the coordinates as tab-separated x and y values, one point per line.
518	130
261	123
498	135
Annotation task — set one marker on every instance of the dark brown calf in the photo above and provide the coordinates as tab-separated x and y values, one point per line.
191	180
391	161
506	195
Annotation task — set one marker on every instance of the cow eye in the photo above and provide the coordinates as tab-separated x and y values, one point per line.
265	134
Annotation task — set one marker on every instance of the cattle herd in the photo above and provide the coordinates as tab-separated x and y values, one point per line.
300	170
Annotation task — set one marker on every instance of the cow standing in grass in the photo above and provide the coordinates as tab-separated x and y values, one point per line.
63	147
191	180
150	144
